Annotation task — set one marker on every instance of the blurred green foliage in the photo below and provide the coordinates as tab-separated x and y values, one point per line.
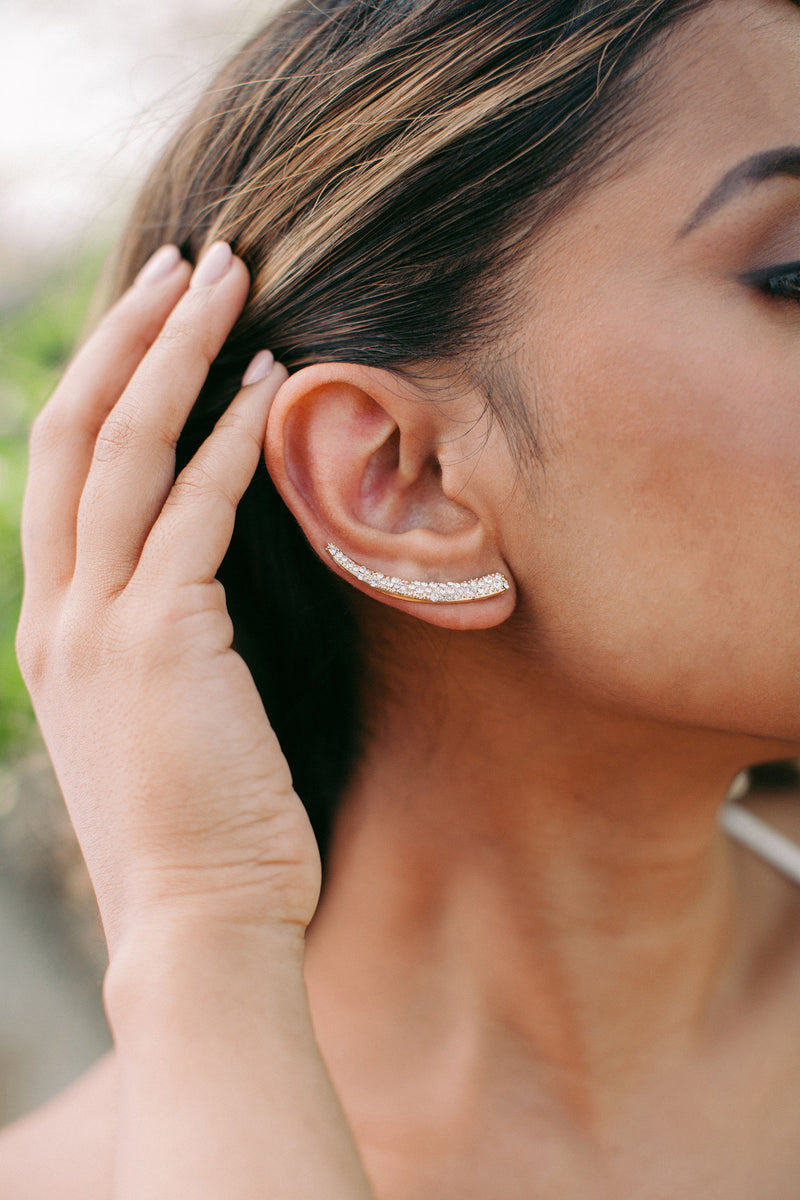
36	340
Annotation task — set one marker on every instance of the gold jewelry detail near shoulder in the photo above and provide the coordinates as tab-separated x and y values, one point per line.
420	590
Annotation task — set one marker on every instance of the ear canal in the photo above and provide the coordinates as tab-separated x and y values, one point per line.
456	592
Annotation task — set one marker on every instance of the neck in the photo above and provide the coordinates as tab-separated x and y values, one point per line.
527	881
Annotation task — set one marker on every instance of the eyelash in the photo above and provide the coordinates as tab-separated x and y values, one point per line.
778	283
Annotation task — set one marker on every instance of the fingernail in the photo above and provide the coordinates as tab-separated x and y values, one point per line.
259	368
159	265
213	265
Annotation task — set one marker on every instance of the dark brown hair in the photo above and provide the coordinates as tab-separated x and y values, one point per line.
381	166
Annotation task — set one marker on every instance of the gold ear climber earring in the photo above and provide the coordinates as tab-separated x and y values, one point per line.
418	589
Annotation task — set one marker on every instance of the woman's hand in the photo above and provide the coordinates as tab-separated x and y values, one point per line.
202	857
176	785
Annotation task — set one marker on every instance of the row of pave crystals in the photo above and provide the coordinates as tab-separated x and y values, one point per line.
469	589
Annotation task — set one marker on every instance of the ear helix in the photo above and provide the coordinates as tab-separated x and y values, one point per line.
419	590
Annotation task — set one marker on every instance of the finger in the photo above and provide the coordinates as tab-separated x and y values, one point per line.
189	540
133	466
64	433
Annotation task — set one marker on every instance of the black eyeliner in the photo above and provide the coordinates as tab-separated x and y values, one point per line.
766	278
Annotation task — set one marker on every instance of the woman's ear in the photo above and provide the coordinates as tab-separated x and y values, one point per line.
367	463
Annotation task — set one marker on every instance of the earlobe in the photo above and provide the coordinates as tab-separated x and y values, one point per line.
356	455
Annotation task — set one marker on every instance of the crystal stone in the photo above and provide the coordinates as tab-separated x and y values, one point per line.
430	592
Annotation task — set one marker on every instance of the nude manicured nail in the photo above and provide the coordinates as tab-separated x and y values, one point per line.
259	368
213	265
159	265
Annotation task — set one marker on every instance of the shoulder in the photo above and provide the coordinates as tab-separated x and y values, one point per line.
65	1150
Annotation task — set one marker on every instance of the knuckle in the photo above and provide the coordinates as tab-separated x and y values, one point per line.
76	640
195	335
198	483
194	482
239	425
178	334
47	430
247	437
60	649
31	651
116	436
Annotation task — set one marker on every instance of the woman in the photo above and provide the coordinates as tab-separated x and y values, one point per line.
532	273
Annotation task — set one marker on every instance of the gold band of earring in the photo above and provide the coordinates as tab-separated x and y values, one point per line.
419	590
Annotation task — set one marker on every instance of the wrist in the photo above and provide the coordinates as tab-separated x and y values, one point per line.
222	1087
160	966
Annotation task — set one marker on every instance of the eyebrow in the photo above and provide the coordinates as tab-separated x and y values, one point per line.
757	169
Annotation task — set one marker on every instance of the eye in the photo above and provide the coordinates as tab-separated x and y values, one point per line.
782	283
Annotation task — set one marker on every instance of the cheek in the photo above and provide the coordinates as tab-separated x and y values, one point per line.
664	567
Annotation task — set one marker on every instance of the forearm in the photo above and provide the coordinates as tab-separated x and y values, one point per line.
223	1092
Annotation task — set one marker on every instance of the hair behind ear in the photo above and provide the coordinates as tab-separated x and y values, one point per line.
298	636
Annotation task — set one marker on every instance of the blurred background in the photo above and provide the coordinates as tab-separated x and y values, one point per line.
91	90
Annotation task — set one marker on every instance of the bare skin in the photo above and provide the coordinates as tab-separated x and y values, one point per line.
538	968
567	902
